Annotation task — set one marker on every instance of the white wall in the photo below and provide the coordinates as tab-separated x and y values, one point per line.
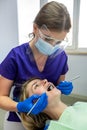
9	39
8	26
78	66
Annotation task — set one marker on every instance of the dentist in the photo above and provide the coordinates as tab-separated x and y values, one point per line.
43	56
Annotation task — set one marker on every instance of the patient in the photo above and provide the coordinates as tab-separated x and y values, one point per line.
61	116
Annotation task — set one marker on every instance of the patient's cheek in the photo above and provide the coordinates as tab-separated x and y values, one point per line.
40	91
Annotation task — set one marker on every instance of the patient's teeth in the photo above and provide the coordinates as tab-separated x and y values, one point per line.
50	87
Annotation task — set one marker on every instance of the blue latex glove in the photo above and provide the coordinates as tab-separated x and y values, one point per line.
28	103
46	127
65	87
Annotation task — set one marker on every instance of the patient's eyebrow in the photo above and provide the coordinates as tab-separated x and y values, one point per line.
34	83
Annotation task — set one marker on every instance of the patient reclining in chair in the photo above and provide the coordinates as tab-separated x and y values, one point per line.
61	116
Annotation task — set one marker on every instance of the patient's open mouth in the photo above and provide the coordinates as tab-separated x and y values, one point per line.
50	87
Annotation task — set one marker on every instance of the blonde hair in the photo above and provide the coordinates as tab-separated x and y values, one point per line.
32	122
55	16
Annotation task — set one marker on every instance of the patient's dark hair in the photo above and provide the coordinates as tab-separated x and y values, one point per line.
32	122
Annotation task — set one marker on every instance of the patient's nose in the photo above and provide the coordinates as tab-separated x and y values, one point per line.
44	81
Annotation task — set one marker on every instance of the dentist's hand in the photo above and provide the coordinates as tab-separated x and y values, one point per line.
65	87
28	103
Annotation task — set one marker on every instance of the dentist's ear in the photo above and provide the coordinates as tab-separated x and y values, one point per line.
35	28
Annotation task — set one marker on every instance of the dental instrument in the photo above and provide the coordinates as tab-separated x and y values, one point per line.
33	107
76	77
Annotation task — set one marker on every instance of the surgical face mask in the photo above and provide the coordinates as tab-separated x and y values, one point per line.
45	47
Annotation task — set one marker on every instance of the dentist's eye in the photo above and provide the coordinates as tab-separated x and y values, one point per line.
58	42
48	40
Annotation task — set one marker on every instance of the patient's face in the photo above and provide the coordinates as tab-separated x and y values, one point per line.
38	86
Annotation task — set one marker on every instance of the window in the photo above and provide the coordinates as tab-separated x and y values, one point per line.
77	35
82	36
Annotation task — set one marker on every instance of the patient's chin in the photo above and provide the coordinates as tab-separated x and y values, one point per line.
54	96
